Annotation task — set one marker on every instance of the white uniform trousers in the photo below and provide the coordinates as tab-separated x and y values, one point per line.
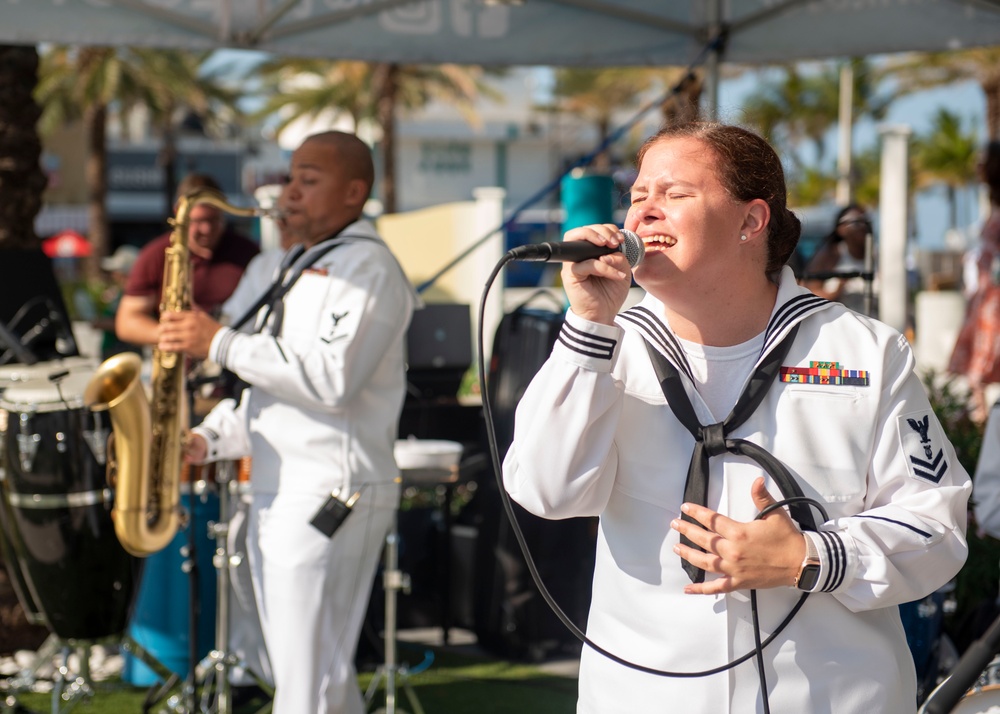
313	594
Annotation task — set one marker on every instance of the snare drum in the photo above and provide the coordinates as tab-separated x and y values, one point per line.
59	504
984	697
980	701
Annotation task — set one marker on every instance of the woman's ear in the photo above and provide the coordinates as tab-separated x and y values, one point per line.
758	215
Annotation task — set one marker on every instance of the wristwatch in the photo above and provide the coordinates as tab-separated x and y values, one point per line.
808	575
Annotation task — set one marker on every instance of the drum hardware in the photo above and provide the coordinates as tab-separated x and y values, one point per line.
208	689
72	679
27	442
393	580
96	440
421	462
3	430
971	681
214	669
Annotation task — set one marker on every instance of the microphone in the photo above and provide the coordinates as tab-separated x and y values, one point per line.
574	251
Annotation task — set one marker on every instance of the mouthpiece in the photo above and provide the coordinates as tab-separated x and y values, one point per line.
274	213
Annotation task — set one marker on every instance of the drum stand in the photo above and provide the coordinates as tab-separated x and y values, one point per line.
207	689
69	685
214	669
393	580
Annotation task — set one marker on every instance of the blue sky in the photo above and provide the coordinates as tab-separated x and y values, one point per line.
930	222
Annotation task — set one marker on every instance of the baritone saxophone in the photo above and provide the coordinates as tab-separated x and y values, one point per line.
145	448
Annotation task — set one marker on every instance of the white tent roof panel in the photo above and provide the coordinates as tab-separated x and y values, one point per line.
532	32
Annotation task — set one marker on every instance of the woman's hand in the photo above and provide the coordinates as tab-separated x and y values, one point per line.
597	288
765	553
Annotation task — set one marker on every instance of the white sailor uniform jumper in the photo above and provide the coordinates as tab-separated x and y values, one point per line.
846	415
321	416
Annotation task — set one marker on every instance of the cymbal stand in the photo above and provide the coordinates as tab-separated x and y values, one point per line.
393	580
214	669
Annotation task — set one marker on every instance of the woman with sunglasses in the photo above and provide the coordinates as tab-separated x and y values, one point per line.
836	270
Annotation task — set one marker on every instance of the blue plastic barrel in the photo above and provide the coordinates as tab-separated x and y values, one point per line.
160	618
586	199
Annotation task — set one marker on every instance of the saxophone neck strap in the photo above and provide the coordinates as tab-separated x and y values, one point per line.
289	272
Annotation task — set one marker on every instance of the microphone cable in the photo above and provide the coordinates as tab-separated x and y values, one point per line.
759	644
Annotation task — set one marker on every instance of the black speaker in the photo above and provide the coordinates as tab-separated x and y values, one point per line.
34	322
511	618
438	350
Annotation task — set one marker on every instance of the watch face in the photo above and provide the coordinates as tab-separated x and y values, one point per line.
808	578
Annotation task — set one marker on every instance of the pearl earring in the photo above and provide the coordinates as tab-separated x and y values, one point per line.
743	238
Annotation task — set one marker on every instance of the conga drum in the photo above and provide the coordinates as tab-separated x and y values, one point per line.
57	504
9	545
11	549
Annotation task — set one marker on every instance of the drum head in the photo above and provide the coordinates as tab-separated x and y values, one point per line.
980	701
39	392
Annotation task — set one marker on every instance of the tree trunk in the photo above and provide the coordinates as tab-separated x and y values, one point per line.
992	92
685	104
96	172
386	80
602	160
168	161
22	181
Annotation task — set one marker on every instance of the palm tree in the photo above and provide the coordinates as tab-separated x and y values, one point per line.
297	88
182	86
303	88
22	181
801	105
915	72
946	155
84	83
596	94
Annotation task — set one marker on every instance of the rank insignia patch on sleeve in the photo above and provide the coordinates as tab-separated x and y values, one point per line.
923	444
829	373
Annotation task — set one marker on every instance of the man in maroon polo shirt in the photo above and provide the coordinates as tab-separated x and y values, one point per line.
219	256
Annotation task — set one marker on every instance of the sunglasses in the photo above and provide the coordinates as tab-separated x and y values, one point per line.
855	221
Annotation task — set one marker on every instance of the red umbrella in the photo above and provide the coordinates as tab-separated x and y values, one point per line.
66	244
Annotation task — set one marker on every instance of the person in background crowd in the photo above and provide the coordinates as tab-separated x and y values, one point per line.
327	381
842	251
219	255
822	402
117	266
976	354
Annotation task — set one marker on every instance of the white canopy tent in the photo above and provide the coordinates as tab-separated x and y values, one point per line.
536	32
522	32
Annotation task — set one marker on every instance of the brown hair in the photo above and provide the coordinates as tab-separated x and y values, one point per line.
748	169
193	182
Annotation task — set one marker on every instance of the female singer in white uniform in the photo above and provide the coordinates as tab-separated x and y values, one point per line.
845	414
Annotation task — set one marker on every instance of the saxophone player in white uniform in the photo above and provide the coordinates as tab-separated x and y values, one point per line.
627	420
327	381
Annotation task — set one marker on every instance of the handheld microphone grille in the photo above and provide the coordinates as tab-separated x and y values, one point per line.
632	247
